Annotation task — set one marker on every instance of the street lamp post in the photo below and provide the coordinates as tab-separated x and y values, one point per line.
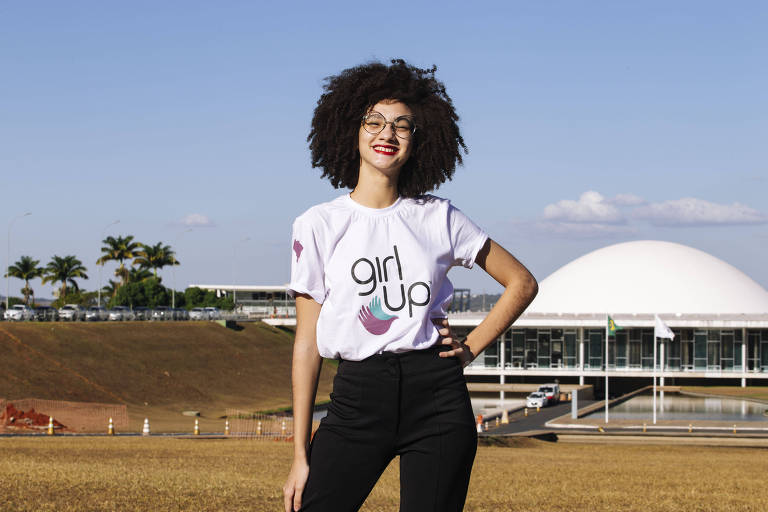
102	265
234	265
8	261
173	268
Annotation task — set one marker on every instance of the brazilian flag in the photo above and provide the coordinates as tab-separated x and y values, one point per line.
612	327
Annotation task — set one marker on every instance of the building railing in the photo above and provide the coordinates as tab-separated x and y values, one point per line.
516	365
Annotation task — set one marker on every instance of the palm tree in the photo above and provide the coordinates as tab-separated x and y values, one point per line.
155	257
110	288
136	275
64	270
26	268
119	249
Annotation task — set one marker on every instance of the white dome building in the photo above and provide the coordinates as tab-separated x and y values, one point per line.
718	314
650	277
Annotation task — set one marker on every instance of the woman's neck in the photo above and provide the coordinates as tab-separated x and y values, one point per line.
375	191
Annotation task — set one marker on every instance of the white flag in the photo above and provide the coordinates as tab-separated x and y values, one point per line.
661	330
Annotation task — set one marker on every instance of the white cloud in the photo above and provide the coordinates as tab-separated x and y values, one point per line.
197	220
690	211
627	200
591	207
582	229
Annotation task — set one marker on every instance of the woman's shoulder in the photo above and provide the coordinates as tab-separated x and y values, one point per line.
322	212
427	203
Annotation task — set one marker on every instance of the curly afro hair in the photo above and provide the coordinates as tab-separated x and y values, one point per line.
437	143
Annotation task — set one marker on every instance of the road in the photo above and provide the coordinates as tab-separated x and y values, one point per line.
535	421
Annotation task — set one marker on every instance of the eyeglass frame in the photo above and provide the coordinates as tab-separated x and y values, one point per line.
394	128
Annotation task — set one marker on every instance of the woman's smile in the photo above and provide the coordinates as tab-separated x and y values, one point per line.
385	150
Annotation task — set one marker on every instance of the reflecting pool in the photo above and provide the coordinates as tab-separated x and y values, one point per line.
674	406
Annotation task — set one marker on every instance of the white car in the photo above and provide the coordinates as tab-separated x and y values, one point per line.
19	312
197	314
536	399
71	312
121	313
213	313
551	391
162	313
96	314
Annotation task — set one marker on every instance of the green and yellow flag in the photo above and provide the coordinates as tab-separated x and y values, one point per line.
612	327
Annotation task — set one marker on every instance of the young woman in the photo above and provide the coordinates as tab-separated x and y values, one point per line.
369	276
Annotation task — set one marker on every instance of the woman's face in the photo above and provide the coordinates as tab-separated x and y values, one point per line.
386	151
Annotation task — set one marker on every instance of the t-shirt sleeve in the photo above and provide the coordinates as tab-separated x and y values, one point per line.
307	268
466	237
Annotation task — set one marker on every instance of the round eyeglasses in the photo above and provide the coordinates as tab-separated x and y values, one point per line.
374	123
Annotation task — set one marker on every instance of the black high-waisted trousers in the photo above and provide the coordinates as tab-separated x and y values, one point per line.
413	404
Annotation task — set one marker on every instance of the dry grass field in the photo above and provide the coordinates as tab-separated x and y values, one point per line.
165	474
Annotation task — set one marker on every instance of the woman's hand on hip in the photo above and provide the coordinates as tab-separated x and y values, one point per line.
294	486
458	348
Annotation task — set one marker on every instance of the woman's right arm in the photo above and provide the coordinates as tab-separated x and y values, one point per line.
305	374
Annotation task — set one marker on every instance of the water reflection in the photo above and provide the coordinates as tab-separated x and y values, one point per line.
681	407
488	406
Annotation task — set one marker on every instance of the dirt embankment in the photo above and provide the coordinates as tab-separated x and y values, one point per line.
174	366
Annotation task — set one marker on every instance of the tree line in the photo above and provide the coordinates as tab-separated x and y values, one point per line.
136	283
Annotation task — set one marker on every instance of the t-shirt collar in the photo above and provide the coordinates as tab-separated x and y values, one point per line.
372	211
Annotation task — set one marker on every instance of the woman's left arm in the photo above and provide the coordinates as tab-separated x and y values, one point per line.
520	288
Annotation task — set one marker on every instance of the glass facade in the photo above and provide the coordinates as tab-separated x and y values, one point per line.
703	350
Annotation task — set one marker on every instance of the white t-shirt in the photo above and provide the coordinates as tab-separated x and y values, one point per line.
380	274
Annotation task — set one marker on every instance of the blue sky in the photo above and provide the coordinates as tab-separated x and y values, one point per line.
588	124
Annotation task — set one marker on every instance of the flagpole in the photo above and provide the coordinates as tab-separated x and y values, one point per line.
606	367
655	342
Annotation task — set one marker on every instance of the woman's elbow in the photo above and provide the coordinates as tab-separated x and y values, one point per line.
525	286
531	287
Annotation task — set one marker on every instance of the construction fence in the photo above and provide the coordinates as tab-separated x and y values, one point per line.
249	425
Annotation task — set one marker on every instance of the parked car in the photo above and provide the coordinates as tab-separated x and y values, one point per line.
180	314
46	314
536	399
71	312
552	392
96	314
198	314
142	313
162	313
121	313
19	312
213	313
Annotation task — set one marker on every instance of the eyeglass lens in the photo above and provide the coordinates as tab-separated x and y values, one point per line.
374	123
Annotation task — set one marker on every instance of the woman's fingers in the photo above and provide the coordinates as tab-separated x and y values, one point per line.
297	500
292	497
459	350
288	498
442	327
294	487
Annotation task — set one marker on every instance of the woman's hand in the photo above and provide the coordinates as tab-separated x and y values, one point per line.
294	486
458	348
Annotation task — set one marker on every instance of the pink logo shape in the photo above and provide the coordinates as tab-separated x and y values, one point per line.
372	323
297	248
